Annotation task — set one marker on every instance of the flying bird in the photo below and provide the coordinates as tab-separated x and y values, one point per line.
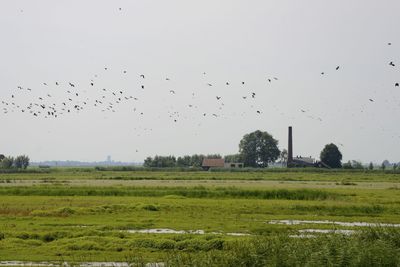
337	68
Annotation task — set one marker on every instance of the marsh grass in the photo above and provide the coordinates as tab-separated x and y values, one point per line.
192	192
372	247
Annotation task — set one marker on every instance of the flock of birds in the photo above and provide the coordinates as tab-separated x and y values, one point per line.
69	98
75	100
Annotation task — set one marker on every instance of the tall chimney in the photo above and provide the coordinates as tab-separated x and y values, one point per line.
290	148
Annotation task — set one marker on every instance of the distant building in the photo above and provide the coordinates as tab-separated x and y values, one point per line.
233	165
219	163
298	161
303	161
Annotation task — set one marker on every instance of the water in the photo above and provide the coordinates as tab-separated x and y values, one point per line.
348	224
82	264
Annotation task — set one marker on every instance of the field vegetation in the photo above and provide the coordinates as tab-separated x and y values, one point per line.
54	219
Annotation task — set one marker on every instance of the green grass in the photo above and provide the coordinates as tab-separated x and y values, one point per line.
54	221
57	174
189	192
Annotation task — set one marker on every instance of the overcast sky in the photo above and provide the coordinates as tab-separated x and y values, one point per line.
47	41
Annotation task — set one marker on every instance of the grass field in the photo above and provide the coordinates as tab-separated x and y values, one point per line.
219	218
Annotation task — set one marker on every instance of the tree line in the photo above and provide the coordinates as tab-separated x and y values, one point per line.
9	162
195	160
256	150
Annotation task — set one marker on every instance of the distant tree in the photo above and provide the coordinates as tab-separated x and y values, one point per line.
148	162
284	156
233	158
7	163
331	156
347	165
258	148
164	161
395	166
2	157
21	162
383	166
357	165
196	160
214	156
371	166
183	161
386	163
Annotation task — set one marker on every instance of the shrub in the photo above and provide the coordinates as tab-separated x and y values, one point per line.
150	207
23	236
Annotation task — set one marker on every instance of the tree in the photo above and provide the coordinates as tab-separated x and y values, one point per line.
347	165
386	163
183	161
395	166
233	158
21	162
357	165
258	148
331	156
383	166
284	156
371	166
7	162
2	157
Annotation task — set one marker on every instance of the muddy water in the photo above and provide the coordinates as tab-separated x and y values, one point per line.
348	224
166	231
82	264
172	231
328	231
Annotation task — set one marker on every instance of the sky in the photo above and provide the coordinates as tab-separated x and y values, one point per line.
188	51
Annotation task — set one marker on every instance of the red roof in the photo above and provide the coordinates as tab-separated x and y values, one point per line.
213	163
